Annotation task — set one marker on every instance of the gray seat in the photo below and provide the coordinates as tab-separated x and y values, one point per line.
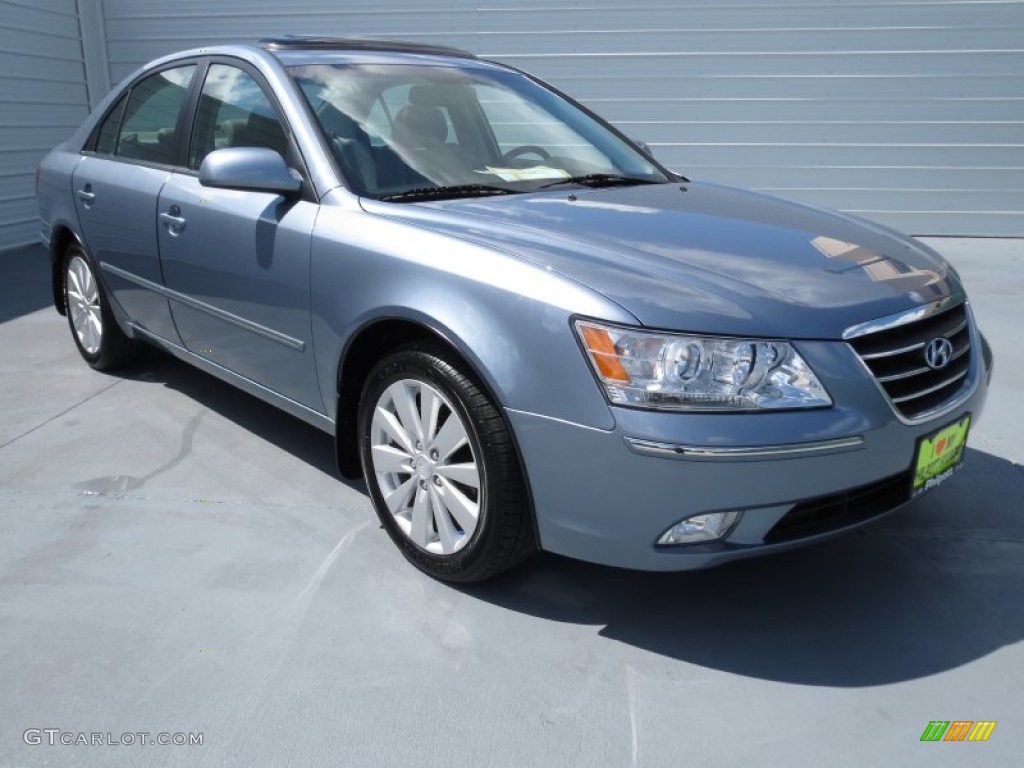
419	127
261	131
419	136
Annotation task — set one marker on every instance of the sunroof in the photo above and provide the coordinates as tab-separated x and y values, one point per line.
315	42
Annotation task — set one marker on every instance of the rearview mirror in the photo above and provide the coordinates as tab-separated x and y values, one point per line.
252	168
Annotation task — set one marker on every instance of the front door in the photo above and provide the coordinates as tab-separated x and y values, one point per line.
239	259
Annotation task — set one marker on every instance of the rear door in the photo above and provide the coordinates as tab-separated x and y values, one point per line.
240	259
116	188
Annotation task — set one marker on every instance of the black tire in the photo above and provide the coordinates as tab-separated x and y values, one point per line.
113	349
503	535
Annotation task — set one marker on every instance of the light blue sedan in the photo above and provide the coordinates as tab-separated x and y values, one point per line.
521	329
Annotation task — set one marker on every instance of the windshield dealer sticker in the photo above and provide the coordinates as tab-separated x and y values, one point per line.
526	174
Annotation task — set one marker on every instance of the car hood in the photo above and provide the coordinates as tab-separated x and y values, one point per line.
703	257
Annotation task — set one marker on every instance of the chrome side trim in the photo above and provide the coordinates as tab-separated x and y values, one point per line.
900	318
305	413
739	453
202	306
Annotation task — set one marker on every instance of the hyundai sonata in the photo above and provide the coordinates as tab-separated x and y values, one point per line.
522	330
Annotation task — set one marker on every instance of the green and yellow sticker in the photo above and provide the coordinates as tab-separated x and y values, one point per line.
939	454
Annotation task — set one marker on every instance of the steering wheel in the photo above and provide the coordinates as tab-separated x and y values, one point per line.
525	149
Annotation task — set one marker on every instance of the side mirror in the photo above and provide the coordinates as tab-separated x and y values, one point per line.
252	168
644	146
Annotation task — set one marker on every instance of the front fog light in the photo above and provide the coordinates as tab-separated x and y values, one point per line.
706	527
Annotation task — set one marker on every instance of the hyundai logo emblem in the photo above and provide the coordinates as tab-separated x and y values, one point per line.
938	352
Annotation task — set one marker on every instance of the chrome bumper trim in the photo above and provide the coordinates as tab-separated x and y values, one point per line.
740	453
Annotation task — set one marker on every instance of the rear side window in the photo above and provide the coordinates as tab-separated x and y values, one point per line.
106	140
151	116
234	112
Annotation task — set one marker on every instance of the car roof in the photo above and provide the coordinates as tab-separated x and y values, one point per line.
306	50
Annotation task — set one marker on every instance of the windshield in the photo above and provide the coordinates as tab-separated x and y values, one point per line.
405	131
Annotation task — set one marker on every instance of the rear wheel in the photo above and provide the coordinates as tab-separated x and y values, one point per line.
99	338
441	467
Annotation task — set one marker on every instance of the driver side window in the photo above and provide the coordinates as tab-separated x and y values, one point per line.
234	111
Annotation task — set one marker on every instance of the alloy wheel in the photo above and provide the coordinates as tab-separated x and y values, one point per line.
83	296
425	466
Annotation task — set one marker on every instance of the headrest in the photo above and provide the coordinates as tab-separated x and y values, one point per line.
439	95
420	127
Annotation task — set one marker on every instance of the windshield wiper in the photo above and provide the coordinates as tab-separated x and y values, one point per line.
598	180
443	193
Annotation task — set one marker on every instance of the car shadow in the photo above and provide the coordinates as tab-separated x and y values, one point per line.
301	440
25	284
935	586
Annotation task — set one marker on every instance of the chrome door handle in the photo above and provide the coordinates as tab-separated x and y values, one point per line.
175	224
86	196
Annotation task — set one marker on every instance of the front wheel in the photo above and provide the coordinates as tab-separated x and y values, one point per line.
441	467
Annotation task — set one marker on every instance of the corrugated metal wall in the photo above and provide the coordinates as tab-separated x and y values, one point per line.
910	112
43	98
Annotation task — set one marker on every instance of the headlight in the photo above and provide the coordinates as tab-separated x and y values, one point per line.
693	373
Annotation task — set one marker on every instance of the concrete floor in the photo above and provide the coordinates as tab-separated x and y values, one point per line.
178	557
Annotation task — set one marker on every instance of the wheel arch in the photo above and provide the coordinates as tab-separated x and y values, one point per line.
370	343
61	237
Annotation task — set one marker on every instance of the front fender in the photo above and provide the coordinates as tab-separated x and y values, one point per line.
509	319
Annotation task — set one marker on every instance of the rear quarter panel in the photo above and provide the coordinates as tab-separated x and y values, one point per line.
54	197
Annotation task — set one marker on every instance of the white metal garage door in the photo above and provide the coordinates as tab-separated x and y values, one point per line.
910	112
43	98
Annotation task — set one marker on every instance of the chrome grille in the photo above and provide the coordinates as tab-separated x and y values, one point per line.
896	356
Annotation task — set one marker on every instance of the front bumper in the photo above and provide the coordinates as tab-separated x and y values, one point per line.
606	496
